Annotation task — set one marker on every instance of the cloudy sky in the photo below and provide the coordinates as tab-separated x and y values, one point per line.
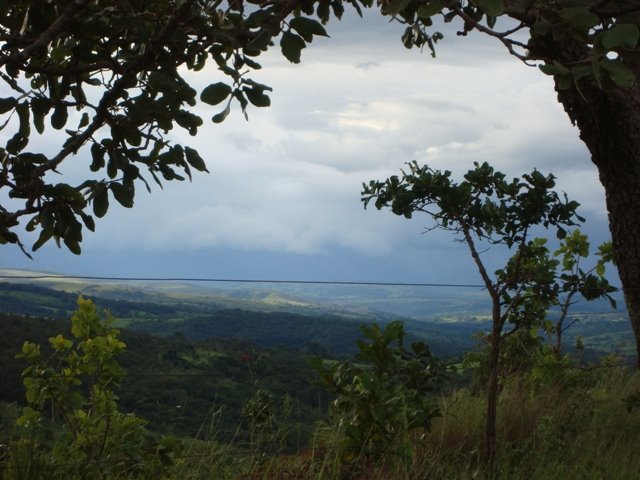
282	200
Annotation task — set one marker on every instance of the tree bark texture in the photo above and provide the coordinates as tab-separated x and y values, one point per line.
609	124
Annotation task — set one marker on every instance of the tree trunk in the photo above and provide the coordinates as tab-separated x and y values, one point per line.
493	389
609	124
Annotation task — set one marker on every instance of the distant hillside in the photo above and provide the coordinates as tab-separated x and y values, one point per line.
200	320
297	314
375	302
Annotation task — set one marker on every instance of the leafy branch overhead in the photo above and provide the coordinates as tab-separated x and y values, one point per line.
112	79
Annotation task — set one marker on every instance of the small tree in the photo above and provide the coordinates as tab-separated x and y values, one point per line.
485	207
384	396
71	426
573	280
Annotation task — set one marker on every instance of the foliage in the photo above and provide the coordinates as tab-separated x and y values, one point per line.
485	207
565	279
113	80
572	279
160	388
86	434
200	318
383	397
557	421
607	33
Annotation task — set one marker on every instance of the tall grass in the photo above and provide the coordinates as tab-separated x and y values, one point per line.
556	423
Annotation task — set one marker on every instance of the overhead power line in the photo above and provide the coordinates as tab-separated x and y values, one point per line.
238	280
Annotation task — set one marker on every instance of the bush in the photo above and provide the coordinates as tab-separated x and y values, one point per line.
384	397
71	426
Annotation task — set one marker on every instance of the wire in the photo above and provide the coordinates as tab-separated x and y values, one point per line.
291	374
240	280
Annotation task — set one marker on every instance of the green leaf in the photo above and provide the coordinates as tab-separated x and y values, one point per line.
338	9
45	236
59	117
73	246
24	114
620	36
7	104
257	97
492	8
188	121
84	120
58	54
219	117
260	42
34	158
215	93
580	17
393	7
432	8
195	160
251	63
97	154
323	11
307	26
122	194
88	220
619	72
554	68
38	122
16	143
101	202
291	46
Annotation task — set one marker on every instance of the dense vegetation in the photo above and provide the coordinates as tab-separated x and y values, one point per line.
176	384
207	408
558	418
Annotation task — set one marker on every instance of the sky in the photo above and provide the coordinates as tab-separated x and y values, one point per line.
282	200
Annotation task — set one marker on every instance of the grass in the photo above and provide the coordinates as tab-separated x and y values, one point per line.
562	424
576	427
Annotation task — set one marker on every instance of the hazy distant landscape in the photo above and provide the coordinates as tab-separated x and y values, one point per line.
295	314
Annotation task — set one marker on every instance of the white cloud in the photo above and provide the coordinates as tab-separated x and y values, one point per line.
357	107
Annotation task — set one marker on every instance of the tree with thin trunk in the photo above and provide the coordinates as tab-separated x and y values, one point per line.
574	280
485	208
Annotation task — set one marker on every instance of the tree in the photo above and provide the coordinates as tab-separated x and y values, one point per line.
84	434
487	208
117	66
382	397
573	279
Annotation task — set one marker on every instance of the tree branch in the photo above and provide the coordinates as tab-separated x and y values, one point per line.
47	36
510	44
476	258
110	97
